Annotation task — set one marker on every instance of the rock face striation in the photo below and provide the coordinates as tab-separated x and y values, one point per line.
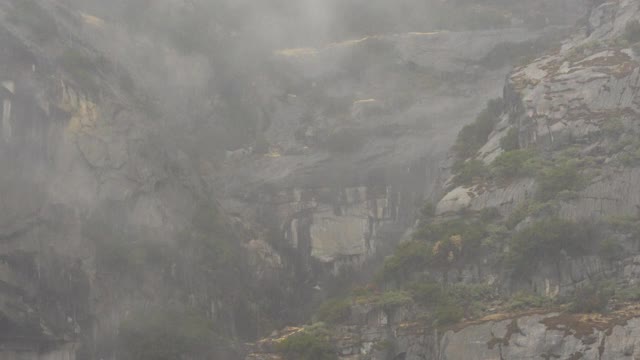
358	133
576	106
397	335
107	208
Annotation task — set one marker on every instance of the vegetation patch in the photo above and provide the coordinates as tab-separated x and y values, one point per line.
631	294
473	136
525	301
513	164
591	299
558	177
409	257
470	172
547	239
313	343
334	311
511	140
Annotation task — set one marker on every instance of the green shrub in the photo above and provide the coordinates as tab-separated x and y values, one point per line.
164	334
392	299
334	311
470	232
473	136
629	294
447	314
432	247
467	293
510	141
451	242
433	232
472	298
512	164
409	257
428	210
426	293
313	343
470	171
558	177
632	31
524	300
591	299
547	239
610	250
211	238
530	208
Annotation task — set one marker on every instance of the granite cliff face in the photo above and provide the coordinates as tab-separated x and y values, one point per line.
567	103
101	216
358	135
125	200
572	115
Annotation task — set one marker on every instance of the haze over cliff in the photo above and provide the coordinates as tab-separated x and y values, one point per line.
319	179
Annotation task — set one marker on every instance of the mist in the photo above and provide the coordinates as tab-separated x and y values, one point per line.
318	179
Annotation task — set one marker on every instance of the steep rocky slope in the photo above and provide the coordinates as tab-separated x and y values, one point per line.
106	226
532	250
124	224
356	137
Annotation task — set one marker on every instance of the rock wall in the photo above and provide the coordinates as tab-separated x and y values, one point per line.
549	336
401	100
572	96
